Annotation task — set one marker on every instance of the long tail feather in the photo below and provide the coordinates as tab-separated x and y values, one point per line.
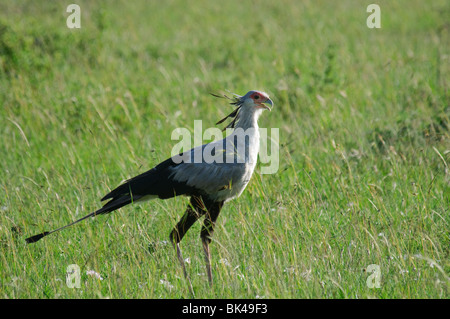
107	208
37	237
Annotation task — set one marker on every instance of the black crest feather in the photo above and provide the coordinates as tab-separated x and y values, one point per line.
236	100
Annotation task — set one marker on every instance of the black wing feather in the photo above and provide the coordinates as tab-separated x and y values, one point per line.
156	181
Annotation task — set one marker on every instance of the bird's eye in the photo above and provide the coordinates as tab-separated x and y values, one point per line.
256	97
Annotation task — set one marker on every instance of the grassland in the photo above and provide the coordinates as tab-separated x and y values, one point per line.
364	146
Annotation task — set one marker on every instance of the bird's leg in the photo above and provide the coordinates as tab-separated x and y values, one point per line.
193	212
207	232
189	218
181	260
205	243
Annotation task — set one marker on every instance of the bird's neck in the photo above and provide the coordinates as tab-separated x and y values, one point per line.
249	119
245	136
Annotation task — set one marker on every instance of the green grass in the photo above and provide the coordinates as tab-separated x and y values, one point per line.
364	133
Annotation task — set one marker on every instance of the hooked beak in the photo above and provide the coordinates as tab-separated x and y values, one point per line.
268	101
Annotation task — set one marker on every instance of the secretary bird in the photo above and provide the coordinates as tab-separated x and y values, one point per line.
221	174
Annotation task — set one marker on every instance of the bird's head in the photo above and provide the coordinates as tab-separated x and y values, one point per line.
252	101
256	99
